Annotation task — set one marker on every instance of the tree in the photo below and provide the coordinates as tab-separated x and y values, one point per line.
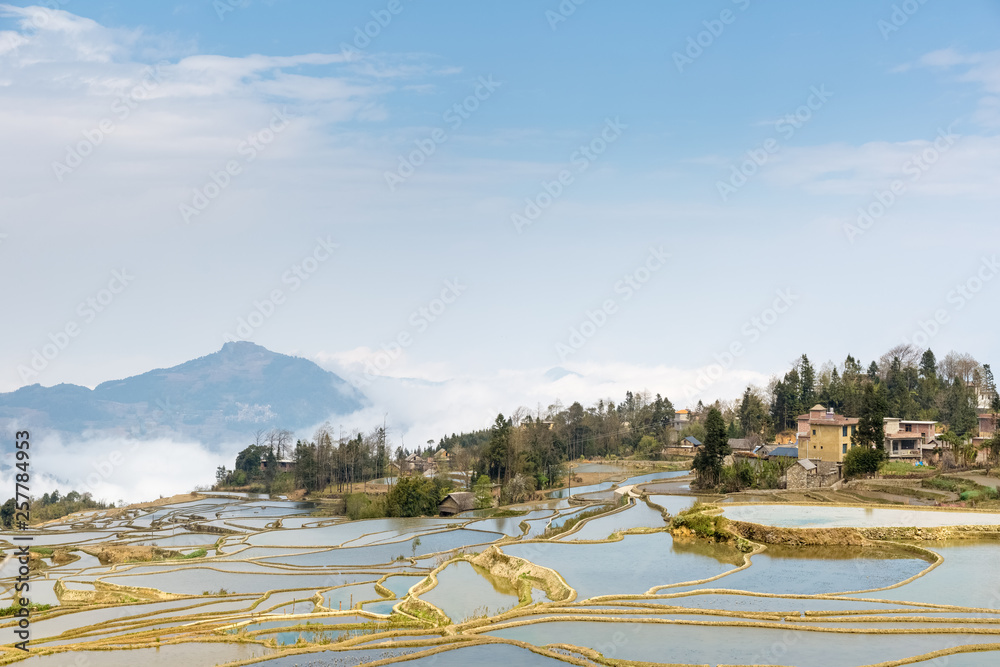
519	489
495	458
415	496
871	421
7	512
753	414
807	392
483	489
993	444
708	460
862	461
959	407
928	365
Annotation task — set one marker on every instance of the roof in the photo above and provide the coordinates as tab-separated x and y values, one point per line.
817	407
464	500
742	444
693	440
826	420
785	451
807	464
683	412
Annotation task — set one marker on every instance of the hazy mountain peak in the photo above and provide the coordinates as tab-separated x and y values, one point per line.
222	396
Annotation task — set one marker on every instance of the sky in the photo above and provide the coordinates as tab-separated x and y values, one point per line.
443	201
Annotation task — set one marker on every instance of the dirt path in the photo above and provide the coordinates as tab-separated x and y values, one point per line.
978	478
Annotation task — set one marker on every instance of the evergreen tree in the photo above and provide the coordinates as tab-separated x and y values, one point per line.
928	365
753	414
496	455
708	460
873	372
807	392
871	422
959	408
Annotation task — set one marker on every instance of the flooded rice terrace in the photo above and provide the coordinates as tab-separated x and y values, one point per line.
262	581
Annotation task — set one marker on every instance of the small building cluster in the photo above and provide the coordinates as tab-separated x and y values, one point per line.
824	438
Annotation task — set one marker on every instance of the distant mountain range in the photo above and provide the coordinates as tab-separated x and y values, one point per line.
221	397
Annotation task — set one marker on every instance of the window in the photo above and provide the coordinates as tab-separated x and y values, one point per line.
814	431
845	432
845	446
854	429
909	428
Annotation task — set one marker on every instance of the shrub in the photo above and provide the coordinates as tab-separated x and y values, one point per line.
861	461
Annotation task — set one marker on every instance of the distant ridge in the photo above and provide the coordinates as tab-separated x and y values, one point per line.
217	398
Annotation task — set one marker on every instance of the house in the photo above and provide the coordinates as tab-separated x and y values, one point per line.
745	445
824	435
283	465
987	429
783	452
806	474
460	501
681	419
908	440
416	463
690	442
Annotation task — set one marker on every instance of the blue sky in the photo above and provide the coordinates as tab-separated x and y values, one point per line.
329	125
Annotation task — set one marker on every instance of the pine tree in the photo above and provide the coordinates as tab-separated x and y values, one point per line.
871	423
708	460
807	374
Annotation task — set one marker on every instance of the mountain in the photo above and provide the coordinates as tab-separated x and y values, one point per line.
217	398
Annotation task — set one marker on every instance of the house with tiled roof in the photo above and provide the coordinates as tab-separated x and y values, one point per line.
908	439
824	435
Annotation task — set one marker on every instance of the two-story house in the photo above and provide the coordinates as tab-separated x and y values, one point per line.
987	429
908	439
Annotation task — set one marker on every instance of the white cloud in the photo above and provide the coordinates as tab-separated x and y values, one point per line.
430	405
113	469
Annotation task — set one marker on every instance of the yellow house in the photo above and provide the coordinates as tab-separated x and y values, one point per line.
824	435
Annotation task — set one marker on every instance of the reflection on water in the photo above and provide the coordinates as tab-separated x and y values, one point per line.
465	591
312	554
801	516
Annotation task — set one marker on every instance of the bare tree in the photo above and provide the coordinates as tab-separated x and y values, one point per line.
961	367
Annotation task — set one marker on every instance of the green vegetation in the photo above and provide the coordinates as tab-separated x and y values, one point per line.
863	461
966	489
891	468
753	474
15	608
197	553
701	524
708	460
51	506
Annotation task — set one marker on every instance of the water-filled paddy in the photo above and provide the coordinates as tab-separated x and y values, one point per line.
820	516
684	643
631	566
464	592
164	656
640	515
822	570
312	554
